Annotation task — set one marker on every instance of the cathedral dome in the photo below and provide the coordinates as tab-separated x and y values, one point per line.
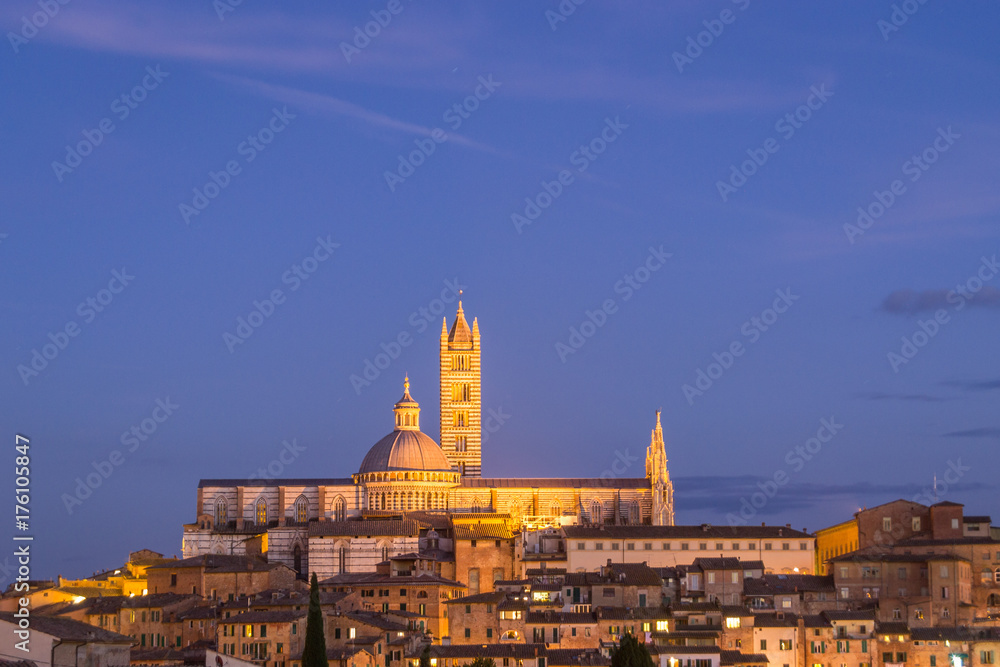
406	448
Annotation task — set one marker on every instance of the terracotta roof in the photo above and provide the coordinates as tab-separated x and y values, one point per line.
739	658
559	618
835	615
483	531
629	613
481	598
253	483
375	620
219	563
773	621
771	584
517	651
389	527
893	628
69	630
976	519
569	657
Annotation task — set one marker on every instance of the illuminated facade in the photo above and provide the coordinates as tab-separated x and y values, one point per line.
350	524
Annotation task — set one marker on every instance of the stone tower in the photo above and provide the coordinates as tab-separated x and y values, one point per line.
461	396
659	478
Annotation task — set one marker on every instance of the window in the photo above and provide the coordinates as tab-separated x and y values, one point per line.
666	546
719	546
918	614
751	545
767	546
944	593
261	512
468	632
473	581
916	529
986	657
703	546
489	633
630	546
599	546
221	512
901	573
301	510
734	577
736	546
933	661
614	546
887	523
647	546
954	524
581	546
763	644
173	579
843	572
685	546
785	546
897	614
944	571
732	622
662	626
710	578
803	546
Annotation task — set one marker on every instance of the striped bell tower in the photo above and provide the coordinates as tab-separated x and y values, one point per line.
461	395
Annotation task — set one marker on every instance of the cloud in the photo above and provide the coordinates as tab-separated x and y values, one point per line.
882	396
910	302
973	385
984	432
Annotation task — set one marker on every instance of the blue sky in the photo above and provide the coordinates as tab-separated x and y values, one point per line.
250	154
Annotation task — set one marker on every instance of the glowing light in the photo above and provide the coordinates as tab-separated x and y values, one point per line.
145	591
956	661
78	599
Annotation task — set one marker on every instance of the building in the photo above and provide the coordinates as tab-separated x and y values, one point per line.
62	642
305	523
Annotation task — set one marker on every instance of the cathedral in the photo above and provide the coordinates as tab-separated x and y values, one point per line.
339	525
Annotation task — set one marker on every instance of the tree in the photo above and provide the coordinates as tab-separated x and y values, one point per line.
425	657
314	650
630	653
483	662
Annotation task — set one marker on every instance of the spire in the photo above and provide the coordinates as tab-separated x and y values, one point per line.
656	454
407	410
460	332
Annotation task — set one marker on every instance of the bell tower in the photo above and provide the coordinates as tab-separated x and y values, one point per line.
461	397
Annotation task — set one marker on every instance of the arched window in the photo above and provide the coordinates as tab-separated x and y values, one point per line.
475	505
297	559
407	420
339	509
510	636
634	517
996	575
993	600
342	560
596	513
555	509
301	510
221	512
261	512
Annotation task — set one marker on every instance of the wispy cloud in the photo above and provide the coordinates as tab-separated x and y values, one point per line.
911	302
984	432
882	396
973	385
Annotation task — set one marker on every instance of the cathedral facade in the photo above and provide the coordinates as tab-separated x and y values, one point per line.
349	524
